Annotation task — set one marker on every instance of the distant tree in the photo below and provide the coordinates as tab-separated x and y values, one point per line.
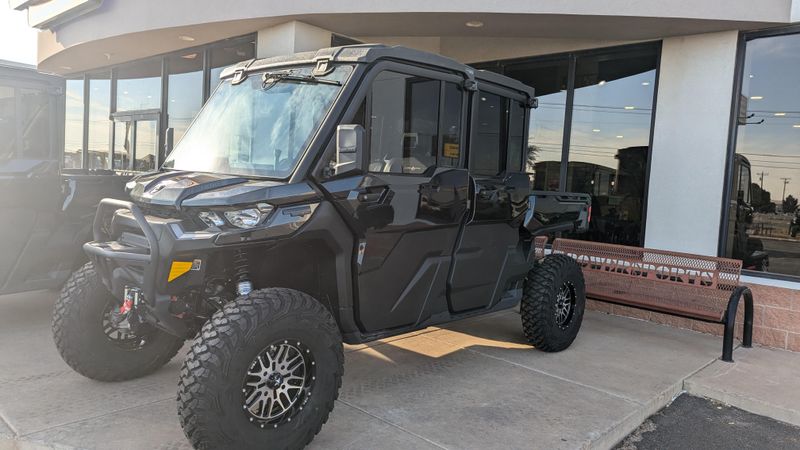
761	199
533	153
790	204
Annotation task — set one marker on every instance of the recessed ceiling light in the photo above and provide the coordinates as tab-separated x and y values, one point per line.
189	56
595	130
125	92
629	107
796	126
780	114
619	136
645	83
601	82
751	75
186	38
757	97
474	24
65	67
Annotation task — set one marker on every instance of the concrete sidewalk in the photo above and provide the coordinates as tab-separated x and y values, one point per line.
472	384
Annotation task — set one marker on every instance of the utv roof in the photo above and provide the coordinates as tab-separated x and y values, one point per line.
368	53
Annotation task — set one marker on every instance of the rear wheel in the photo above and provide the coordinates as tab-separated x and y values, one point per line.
92	345
553	302
263	373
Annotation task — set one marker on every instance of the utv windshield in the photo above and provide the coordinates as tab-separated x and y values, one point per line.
261	126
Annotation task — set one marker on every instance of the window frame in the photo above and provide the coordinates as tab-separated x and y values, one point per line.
365	94
499	66
727	188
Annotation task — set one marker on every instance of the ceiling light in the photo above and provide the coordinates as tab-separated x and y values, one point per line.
595	130
186	38
629	107
645	83
619	136
796	126
757	97
474	24
780	114
189	56
65	67
601	82
751	75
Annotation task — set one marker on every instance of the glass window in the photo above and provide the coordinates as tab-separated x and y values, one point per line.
763	227
139	85
516	130
8	123
99	121
546	128
610	139
73	125
228	55
450	152
146	145
404	133
123	145
257	128
35	117
489	137
185	91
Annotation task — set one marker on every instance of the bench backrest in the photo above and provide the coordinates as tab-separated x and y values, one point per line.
679	283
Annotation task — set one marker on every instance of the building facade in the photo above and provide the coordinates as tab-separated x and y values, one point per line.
680	118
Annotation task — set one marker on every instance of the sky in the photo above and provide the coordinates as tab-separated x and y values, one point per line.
17	39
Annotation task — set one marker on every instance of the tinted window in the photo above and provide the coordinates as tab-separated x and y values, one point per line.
451	126
489	137
404	135
99	123
763	213
73	125
139	86
184	91
516	130
35	116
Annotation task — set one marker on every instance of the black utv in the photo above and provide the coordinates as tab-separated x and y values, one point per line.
344	195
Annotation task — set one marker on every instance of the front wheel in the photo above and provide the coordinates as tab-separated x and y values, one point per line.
88	341
554	297
264	372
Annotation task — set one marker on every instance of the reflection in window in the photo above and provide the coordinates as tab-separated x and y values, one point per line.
405	117
609	140
123	145
451	126
8	123
139	85
99	123
489	136
73	125
546	129
516	130
228	55
185	91
146	145
763	215
35	120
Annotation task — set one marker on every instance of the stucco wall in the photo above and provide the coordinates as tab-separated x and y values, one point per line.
690	140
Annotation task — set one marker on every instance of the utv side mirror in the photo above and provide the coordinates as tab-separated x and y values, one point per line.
349	148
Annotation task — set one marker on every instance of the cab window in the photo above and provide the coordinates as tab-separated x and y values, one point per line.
404	123
498	135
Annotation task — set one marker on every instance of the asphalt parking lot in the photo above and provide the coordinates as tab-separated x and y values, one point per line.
473	384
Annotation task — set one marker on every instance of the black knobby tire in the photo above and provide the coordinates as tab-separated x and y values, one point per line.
78	332
543	327
211	399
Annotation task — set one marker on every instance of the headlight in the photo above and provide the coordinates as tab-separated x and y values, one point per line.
211	218
249	217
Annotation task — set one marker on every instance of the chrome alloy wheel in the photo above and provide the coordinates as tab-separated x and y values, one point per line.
565	305
278	383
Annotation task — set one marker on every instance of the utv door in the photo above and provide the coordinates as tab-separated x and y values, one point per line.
489	259
408	206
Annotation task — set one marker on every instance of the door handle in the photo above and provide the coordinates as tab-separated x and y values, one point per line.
366	195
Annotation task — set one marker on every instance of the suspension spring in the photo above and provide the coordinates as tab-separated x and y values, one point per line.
241	272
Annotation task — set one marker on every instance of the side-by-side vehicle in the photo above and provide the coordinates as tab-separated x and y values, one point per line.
344	195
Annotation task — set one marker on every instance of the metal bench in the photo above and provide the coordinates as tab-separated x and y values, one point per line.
693	286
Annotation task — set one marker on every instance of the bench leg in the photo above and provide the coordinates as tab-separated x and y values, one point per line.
730	322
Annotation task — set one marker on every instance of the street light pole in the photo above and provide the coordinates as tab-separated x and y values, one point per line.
785	182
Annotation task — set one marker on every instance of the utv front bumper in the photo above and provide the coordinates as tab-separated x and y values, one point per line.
131	250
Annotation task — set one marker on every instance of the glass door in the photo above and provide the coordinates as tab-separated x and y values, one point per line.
135	141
